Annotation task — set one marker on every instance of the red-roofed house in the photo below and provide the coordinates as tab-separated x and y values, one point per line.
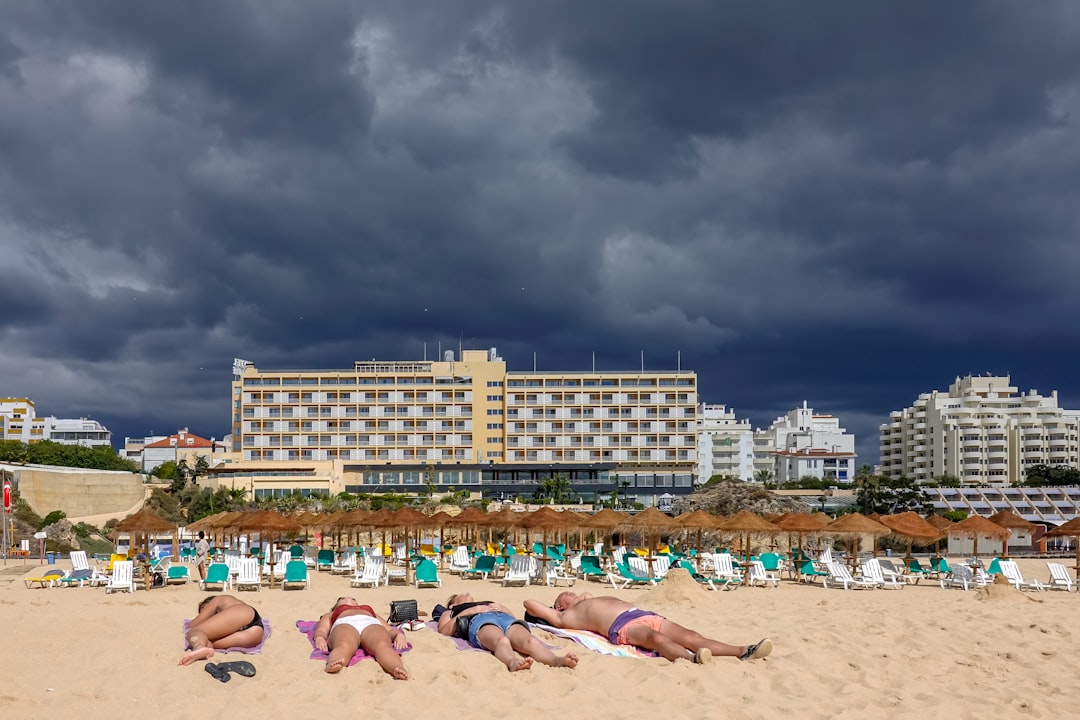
182	446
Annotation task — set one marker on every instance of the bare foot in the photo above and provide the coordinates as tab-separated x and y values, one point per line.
333	666
399	673
519	663
200	654
569	660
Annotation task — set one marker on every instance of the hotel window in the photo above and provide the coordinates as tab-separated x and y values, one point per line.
494	411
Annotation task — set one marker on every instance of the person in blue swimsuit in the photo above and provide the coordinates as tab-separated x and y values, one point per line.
490	626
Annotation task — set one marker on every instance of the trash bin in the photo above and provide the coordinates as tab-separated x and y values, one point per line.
888	552
51	558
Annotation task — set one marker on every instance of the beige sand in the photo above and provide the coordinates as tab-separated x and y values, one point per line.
73	652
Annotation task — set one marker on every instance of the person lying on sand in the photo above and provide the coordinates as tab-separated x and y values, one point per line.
624	624
490	626
350	626
223	621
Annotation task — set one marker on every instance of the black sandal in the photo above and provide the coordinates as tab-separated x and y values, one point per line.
240	667
217	672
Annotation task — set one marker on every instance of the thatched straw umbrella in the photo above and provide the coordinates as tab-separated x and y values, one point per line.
469	519
941	523
545	519
913	527
505	520
146	522
1070	529
411	519
1011	521
267	523
440	520
651	522
855	525
800	524
701	521
747	522
975	525
606	519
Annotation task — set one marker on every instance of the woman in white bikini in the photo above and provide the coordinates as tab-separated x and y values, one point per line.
350	626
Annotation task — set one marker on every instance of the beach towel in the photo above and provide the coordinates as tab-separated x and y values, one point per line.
596	643
308	628
249	650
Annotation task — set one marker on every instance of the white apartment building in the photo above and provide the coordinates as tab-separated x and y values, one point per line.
725	444
19	422
802	443
983	430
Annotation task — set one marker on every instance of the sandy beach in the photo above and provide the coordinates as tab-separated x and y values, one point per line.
838	654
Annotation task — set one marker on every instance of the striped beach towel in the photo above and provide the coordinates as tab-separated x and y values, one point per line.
596	643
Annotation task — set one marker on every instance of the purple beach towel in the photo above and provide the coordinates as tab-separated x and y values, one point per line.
308	628
249	650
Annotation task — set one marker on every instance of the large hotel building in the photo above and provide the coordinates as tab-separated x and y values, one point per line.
466	423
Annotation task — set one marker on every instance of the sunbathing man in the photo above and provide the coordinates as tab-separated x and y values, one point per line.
223	621
624	624
490	626
350	626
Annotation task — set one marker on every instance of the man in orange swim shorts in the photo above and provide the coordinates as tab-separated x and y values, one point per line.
624	624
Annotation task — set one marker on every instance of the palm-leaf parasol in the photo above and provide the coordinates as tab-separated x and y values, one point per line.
913	527
651	521
855	525
701	521
1070	529
146	522
800	524
746	522
544	520
606	519
975	525
267	523
1011	521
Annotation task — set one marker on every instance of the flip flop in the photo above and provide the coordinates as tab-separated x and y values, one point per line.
217	673
240	667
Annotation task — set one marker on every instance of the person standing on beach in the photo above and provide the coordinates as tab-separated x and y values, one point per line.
490	626
350	626
223	622
202	550
624	624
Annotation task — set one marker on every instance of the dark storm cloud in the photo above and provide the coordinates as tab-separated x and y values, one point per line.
848	203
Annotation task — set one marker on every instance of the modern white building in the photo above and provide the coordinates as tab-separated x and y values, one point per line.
725	444
19	422
983	430
803	443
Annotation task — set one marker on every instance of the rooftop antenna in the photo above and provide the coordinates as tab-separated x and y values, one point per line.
642	362
680	361
425	351
534	361
594	361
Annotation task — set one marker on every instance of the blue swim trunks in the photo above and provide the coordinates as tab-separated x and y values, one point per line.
501	620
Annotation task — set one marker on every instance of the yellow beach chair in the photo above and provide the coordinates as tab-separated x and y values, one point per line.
48	580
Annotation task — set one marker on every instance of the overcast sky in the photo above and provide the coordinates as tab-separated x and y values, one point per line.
847	203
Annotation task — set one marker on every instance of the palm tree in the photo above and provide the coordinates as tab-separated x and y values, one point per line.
764	477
